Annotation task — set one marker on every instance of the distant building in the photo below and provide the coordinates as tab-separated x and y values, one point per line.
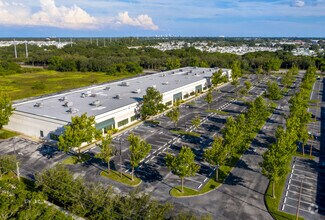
114	105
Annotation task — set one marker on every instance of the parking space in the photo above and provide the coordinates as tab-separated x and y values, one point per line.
304	185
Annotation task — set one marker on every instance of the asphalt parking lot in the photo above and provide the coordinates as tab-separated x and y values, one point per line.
307	183
33	156
307	178
163	141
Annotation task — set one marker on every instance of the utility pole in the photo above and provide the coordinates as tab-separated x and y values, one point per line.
298	207
91	41
15	49
104	42
97	42
71	42
26	48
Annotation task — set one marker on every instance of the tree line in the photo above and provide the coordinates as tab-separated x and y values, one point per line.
117	58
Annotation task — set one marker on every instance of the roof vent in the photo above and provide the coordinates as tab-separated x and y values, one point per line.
38	105
68	104
137	91
73	110
107	88
154	86
83	95
62	99
125	84
164	74
165	83
95	103
117	96
93	95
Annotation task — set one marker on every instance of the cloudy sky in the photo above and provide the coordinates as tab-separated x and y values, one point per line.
267	18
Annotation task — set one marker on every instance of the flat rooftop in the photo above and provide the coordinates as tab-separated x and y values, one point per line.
96	100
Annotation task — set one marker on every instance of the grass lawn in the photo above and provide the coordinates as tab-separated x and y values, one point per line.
273	204
126	178
75	159
4	134
216	111
307	156
25	85
211	184
181	132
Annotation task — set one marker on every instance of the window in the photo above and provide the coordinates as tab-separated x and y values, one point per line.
134	117
41	133
186	96
123	122
192	93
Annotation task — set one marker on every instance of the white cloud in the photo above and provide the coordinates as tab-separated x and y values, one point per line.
143	21
298	3
73	17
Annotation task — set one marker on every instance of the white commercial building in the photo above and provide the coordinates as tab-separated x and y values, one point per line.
114	105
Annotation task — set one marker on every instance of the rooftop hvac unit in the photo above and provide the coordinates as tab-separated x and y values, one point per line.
38	105
83	95
163	75
137	91
125	84
68	104
107	88
117	96
165	83
88	92
154	86
62	99
73	110
93	95
95	103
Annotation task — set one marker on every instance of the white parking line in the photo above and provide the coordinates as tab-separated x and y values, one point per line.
200	186
205	180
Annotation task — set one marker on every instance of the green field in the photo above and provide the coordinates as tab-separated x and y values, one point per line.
19	86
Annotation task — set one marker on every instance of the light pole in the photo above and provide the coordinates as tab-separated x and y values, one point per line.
120	141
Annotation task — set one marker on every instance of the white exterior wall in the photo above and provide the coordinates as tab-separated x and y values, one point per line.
119	115
31	125
168	96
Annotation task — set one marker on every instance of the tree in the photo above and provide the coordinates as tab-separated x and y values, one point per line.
248	85
174	115
303	136
275	164
7	164
152	103
273	91
209	98
235	83
173	63
183	164
139	149
216	155
196	121
259	73
236	70
6	109
106	150
80	130
218	78
287	79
